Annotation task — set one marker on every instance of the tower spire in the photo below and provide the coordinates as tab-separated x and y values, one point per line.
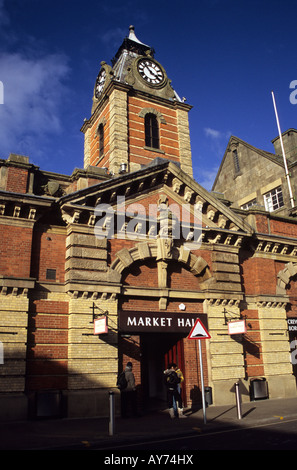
133	37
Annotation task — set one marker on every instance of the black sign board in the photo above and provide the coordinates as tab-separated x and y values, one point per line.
167	322
292	324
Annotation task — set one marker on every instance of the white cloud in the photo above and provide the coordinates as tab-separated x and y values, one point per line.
33	83
215	134
33	88
205	177
218	141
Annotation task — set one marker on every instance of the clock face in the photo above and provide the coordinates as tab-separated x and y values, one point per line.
100	83
150	72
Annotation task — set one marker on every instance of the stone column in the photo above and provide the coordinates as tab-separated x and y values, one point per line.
225	359
276	348
118	130
93	359
184	141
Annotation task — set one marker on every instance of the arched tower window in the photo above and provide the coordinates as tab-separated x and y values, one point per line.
151	126
101	140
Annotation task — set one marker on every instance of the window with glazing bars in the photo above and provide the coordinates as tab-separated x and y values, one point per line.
274	199
249	204
151	131
236	162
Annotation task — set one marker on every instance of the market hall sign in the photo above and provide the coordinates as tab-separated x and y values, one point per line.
146	322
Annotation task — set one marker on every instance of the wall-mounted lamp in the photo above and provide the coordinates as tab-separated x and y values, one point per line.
123	168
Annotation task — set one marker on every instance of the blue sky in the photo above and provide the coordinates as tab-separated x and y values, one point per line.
224	56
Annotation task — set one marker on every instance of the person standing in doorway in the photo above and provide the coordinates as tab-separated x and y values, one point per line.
129	394
181	379
171	381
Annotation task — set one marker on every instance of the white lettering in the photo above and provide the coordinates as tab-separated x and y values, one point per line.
104	228
1	93
131	321
160	322
136	226
293	353
114	460
293	94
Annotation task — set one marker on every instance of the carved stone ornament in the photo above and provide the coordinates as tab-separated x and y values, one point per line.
52	188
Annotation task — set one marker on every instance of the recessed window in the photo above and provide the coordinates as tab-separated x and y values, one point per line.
236	161
51	274
249	204
151	131
101	140
274	199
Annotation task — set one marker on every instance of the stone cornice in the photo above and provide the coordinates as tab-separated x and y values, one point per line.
23	206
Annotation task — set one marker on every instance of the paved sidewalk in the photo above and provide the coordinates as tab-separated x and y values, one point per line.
83	434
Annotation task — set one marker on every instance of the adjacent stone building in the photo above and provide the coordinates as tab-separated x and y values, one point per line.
134	241
249	176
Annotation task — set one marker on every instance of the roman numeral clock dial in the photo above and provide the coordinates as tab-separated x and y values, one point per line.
100	82
150	72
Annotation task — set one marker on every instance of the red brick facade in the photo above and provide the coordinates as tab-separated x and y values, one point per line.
57	275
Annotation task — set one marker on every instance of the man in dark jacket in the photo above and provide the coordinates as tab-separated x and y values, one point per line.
171	381
129	394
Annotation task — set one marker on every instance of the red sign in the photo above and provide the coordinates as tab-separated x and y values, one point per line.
199	331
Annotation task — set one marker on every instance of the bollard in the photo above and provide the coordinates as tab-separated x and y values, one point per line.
111	413
238	400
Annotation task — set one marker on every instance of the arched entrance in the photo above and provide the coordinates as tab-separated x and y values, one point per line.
152	333
166	349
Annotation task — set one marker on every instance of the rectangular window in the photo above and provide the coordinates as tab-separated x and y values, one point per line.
51	274
151	131
249	204
236	162
101	140
274	199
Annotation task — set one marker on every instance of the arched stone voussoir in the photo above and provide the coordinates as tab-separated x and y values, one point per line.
284	276
146	250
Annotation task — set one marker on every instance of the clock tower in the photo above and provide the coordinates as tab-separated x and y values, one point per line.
136	115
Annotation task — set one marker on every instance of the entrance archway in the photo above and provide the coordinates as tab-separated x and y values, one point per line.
156	354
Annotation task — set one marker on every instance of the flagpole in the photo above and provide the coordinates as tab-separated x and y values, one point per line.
283	152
